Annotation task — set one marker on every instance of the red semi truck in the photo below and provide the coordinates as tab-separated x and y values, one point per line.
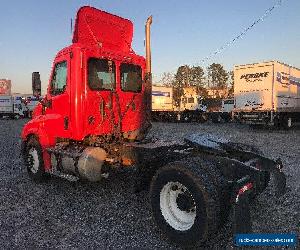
96	115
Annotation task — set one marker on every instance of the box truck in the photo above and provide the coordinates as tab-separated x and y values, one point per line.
12	106
31	102
267	93
163	107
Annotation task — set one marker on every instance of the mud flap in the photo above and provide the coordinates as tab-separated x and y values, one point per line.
280	178
241	208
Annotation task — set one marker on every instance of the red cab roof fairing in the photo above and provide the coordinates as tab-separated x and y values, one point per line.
95	27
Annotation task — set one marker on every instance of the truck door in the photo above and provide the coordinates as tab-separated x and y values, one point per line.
57	108
101	83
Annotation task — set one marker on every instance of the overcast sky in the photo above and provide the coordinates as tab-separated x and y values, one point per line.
183	32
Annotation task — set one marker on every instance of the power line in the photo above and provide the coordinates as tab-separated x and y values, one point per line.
243	33
239	36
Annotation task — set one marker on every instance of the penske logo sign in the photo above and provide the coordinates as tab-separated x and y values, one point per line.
254	77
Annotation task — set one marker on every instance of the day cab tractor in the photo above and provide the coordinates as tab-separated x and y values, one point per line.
96	115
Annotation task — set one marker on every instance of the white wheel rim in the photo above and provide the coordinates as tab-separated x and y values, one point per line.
178	219
33	160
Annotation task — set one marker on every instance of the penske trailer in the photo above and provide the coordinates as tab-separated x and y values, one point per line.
267	93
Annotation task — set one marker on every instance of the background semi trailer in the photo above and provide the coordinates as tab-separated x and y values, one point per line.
91	121
267	93
164	108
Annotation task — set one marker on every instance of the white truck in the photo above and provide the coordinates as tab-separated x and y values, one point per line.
218	110
267	93
163	108
12	106
31	102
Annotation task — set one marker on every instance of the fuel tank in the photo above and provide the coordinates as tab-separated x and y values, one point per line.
87	165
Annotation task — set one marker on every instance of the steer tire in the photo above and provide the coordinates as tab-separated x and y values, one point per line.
201	193
33	158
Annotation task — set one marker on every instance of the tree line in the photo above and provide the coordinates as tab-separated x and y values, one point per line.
215	77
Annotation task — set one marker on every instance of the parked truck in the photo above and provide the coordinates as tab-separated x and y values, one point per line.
12	106
218	110
31	102
267	93
164	108
96	115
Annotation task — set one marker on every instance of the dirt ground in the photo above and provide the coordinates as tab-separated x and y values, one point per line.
63	214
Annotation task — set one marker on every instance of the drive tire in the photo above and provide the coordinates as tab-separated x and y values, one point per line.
205	202
33	158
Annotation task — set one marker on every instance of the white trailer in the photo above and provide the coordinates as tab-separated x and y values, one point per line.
163	108
162	103
11	106
267	93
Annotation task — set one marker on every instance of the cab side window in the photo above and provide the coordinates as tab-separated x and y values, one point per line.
101	74
59	78
131	77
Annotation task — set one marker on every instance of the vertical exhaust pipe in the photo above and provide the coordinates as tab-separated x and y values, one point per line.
148	45
146	125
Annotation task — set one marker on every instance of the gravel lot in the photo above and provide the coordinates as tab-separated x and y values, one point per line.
62	214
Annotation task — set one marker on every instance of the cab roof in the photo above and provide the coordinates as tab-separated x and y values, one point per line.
97	28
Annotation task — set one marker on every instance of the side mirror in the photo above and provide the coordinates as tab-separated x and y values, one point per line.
36	84
45	102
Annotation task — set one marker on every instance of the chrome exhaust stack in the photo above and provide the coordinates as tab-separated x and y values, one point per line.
148	84
148	45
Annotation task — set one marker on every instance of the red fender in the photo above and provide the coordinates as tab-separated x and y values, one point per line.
32	129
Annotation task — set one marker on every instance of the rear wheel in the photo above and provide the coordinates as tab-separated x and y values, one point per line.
34	160
185	202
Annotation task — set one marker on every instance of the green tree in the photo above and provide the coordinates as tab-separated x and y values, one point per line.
183	76
197	76
231	84
167	79
181	80
187	76
217	76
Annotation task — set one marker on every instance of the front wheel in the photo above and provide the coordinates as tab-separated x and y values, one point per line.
184	203
34	160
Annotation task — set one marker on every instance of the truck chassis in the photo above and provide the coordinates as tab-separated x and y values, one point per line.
193	184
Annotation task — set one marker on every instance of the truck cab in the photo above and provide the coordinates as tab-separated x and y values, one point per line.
97	88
